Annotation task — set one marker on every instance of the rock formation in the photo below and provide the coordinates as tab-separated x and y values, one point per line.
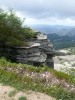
39	52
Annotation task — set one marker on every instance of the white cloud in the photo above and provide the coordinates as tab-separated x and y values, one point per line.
43	11
50	21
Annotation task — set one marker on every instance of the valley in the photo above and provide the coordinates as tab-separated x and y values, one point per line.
60	42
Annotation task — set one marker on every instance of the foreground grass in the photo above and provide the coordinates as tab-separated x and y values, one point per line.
22	98
70	77
12	93
26	83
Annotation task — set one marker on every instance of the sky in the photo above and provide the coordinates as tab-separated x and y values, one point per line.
48	12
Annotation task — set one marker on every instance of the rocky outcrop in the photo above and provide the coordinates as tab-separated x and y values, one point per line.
30	55
40	51
46	47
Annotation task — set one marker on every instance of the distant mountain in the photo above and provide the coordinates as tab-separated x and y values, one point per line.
58	29
68	31
56	37
71	32
61	42
45	28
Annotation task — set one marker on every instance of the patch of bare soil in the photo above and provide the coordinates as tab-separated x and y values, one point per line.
4	92
30	95
33	96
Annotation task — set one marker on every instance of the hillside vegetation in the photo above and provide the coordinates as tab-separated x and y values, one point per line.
42	79
12	30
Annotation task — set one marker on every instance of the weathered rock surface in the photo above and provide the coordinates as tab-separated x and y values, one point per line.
30	55
39	52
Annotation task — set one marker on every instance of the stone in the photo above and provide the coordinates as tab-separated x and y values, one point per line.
39	52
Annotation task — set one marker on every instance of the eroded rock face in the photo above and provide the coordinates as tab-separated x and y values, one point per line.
47	48
38	53
31	55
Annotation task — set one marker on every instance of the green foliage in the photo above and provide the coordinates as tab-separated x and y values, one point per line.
22	82
12	31
29	33
10	28
68	77
12	93
61	75
22	98
62	94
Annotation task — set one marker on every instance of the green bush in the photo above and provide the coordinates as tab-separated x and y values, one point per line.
10	27
22	98
12	31
29	33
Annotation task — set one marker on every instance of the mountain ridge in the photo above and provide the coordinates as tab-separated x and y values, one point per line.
58	29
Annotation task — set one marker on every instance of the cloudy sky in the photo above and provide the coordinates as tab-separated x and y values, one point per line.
50	12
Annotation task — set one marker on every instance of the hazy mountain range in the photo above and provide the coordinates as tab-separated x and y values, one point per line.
58	29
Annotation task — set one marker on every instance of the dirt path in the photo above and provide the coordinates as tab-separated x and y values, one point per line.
9	93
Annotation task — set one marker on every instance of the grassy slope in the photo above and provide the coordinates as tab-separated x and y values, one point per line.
22	82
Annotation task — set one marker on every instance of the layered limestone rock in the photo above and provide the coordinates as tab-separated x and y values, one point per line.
46	47
30	55
39	52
